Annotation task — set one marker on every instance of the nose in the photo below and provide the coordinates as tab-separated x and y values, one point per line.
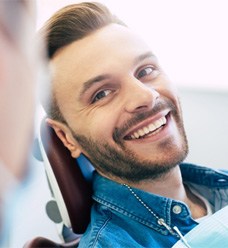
140	96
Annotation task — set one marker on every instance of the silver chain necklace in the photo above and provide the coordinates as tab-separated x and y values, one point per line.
172	230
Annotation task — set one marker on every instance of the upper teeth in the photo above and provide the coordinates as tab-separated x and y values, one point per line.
150	128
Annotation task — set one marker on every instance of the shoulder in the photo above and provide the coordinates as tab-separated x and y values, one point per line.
107	230
201	168
98	232
203	175
224	171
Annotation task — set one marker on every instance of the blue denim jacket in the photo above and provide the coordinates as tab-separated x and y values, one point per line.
118	219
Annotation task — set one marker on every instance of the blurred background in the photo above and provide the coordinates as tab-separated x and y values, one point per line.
190	40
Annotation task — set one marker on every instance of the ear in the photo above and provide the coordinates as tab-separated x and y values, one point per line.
65	135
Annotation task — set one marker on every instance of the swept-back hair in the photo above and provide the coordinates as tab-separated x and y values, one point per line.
67	25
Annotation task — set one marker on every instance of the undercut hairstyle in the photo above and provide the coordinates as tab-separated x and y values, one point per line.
69	24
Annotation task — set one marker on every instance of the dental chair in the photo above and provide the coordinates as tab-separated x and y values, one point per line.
70	184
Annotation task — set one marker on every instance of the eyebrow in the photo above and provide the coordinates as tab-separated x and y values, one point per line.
144	56
89	83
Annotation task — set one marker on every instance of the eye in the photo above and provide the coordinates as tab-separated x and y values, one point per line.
145	72
100	95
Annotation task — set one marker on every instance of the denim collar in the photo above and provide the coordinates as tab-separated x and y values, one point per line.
205	176
118	197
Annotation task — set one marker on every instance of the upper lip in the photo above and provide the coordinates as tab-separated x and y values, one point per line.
146	122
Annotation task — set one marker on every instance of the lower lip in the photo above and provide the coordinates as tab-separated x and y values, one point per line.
159	134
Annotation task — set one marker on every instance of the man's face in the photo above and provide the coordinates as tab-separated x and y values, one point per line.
119	105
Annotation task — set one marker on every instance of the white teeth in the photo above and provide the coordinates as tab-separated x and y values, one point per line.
146	130
150	128
141	132
135	136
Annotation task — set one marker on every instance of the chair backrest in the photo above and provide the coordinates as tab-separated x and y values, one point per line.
71	190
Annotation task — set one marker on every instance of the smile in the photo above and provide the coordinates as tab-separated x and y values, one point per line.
148	130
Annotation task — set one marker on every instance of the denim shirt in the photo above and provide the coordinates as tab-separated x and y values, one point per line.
118	219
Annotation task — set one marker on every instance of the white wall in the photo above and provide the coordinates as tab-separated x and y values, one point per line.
206	124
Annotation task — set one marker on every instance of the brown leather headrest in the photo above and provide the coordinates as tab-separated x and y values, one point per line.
76	191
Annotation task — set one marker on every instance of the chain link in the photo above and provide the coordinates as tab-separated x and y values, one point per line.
174	231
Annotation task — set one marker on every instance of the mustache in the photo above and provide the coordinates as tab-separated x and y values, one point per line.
141	116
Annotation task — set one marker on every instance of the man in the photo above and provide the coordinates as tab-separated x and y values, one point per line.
17	103
111	101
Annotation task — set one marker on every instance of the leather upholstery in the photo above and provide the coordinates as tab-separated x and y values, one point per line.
76	191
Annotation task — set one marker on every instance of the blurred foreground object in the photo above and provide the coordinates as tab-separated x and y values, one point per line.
18	71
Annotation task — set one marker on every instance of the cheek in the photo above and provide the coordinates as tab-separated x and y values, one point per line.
103	126
169	90
96	126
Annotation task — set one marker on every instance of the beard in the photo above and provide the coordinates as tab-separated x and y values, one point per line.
121	162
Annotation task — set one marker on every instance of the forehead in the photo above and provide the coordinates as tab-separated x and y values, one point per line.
107	50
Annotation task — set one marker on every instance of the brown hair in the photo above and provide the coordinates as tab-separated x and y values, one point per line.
70	24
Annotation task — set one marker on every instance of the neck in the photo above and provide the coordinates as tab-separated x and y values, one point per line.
171	186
